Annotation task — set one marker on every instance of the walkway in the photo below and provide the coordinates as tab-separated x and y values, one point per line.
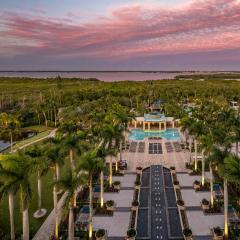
194	211
118	224
158	216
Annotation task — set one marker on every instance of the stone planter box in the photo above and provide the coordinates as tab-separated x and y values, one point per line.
181	207
110	208
205	206
131	238
139	171
173	171
216	237
137	187
134	208
117	187
101	238
121	171
196	186
176	186
188	238
189	171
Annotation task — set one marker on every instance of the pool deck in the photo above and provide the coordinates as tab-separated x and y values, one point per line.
177	159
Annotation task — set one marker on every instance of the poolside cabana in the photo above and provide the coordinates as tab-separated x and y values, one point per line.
153	121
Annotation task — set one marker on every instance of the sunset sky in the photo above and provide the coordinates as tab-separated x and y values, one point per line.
120	35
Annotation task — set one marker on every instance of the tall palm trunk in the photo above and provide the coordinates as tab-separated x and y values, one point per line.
71	222
203	169
195	148
190	149
90	209
211	185
11	213
39	192
11	142
55	200
237	148
225	209
110	172
25	224
71	160
101	188
116	165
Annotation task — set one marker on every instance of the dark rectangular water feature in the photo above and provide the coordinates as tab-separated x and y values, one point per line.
158	216
142	223
144	196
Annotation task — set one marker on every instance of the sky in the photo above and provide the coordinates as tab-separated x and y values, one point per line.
120	35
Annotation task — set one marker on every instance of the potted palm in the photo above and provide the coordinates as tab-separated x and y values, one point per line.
205	204
121	170
131	234
176	184
173	169
110	205
100	234
135	205
139	170
196	185
137	184
117	185
187	233
181	204
217	233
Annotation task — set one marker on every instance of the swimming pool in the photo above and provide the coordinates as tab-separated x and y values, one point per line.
169	134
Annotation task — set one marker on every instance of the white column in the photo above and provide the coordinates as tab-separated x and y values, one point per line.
159	126
135	124
173	124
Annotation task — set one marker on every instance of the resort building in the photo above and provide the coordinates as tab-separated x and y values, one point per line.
155	121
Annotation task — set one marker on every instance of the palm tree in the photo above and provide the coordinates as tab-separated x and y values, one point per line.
102	153
70	183
9	127
8	188
73	146
206	145
16	170
92	164
41	166
54	160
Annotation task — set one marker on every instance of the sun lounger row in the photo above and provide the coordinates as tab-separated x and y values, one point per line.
177	146
169	147
141	147
125	146
133	147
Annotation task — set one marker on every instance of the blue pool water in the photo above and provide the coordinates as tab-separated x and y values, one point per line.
169	134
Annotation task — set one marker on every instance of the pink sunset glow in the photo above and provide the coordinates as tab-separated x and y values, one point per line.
126	31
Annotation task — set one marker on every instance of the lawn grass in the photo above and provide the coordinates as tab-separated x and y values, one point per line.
38	128
31	139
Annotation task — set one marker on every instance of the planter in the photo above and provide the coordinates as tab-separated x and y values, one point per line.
196	185
180	204
187	233
121	171
172	170
135	205
176	185
205	204
131	234
117	185
100	234
110	205
189	171
137	187
217	233
139	170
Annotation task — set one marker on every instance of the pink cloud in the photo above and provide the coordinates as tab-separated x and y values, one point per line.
131	31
